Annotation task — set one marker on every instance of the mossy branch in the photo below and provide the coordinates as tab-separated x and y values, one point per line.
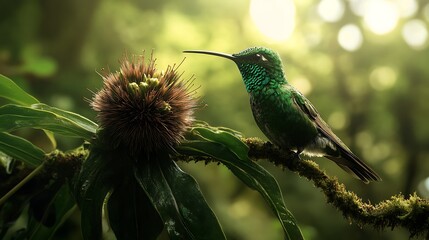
411	213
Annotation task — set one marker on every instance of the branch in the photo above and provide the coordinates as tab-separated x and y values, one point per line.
411	213
58	166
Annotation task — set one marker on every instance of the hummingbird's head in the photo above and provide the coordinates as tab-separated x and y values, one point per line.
258	66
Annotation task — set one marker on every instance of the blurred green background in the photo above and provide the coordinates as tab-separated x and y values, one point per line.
363	63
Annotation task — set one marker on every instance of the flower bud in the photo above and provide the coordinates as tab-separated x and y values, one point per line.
143	109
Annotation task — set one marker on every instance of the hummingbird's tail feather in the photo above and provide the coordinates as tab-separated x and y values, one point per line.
353	165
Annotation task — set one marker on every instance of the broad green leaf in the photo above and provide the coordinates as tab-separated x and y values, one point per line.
232	142
178	200
131	214
14	117
12	92
91	188
248	171
202	124
79	120
21	149
59	208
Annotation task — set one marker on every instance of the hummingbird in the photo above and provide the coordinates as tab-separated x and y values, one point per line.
286	117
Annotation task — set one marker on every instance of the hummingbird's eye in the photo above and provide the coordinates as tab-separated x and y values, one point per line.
261	57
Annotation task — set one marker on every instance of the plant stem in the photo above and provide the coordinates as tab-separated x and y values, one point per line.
21	184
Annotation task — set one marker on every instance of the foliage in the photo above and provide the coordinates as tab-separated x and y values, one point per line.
144	194
232	152
149	190
374	98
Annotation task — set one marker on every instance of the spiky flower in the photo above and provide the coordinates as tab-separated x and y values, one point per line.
144	109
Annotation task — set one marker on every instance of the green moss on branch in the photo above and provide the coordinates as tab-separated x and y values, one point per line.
410	212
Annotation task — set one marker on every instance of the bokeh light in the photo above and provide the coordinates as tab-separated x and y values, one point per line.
302	84
427	183
358	6
382	78
380	150
240	209
392	166
337	120
380	16
330	10
424	188
274	18
350	37
415	33
407	8
364	140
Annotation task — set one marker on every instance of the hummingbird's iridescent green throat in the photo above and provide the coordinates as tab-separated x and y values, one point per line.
285	116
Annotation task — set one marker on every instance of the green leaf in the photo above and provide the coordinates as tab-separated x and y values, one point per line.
93	184
12	92
178	200
51	137
13	117
252	174
226	138
21	149
77	119
59	208
131	214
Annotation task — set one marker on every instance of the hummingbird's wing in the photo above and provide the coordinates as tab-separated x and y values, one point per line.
305	106
345	158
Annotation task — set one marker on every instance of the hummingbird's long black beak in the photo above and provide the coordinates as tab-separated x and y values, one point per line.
224	55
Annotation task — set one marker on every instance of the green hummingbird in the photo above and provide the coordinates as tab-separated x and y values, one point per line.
285	116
